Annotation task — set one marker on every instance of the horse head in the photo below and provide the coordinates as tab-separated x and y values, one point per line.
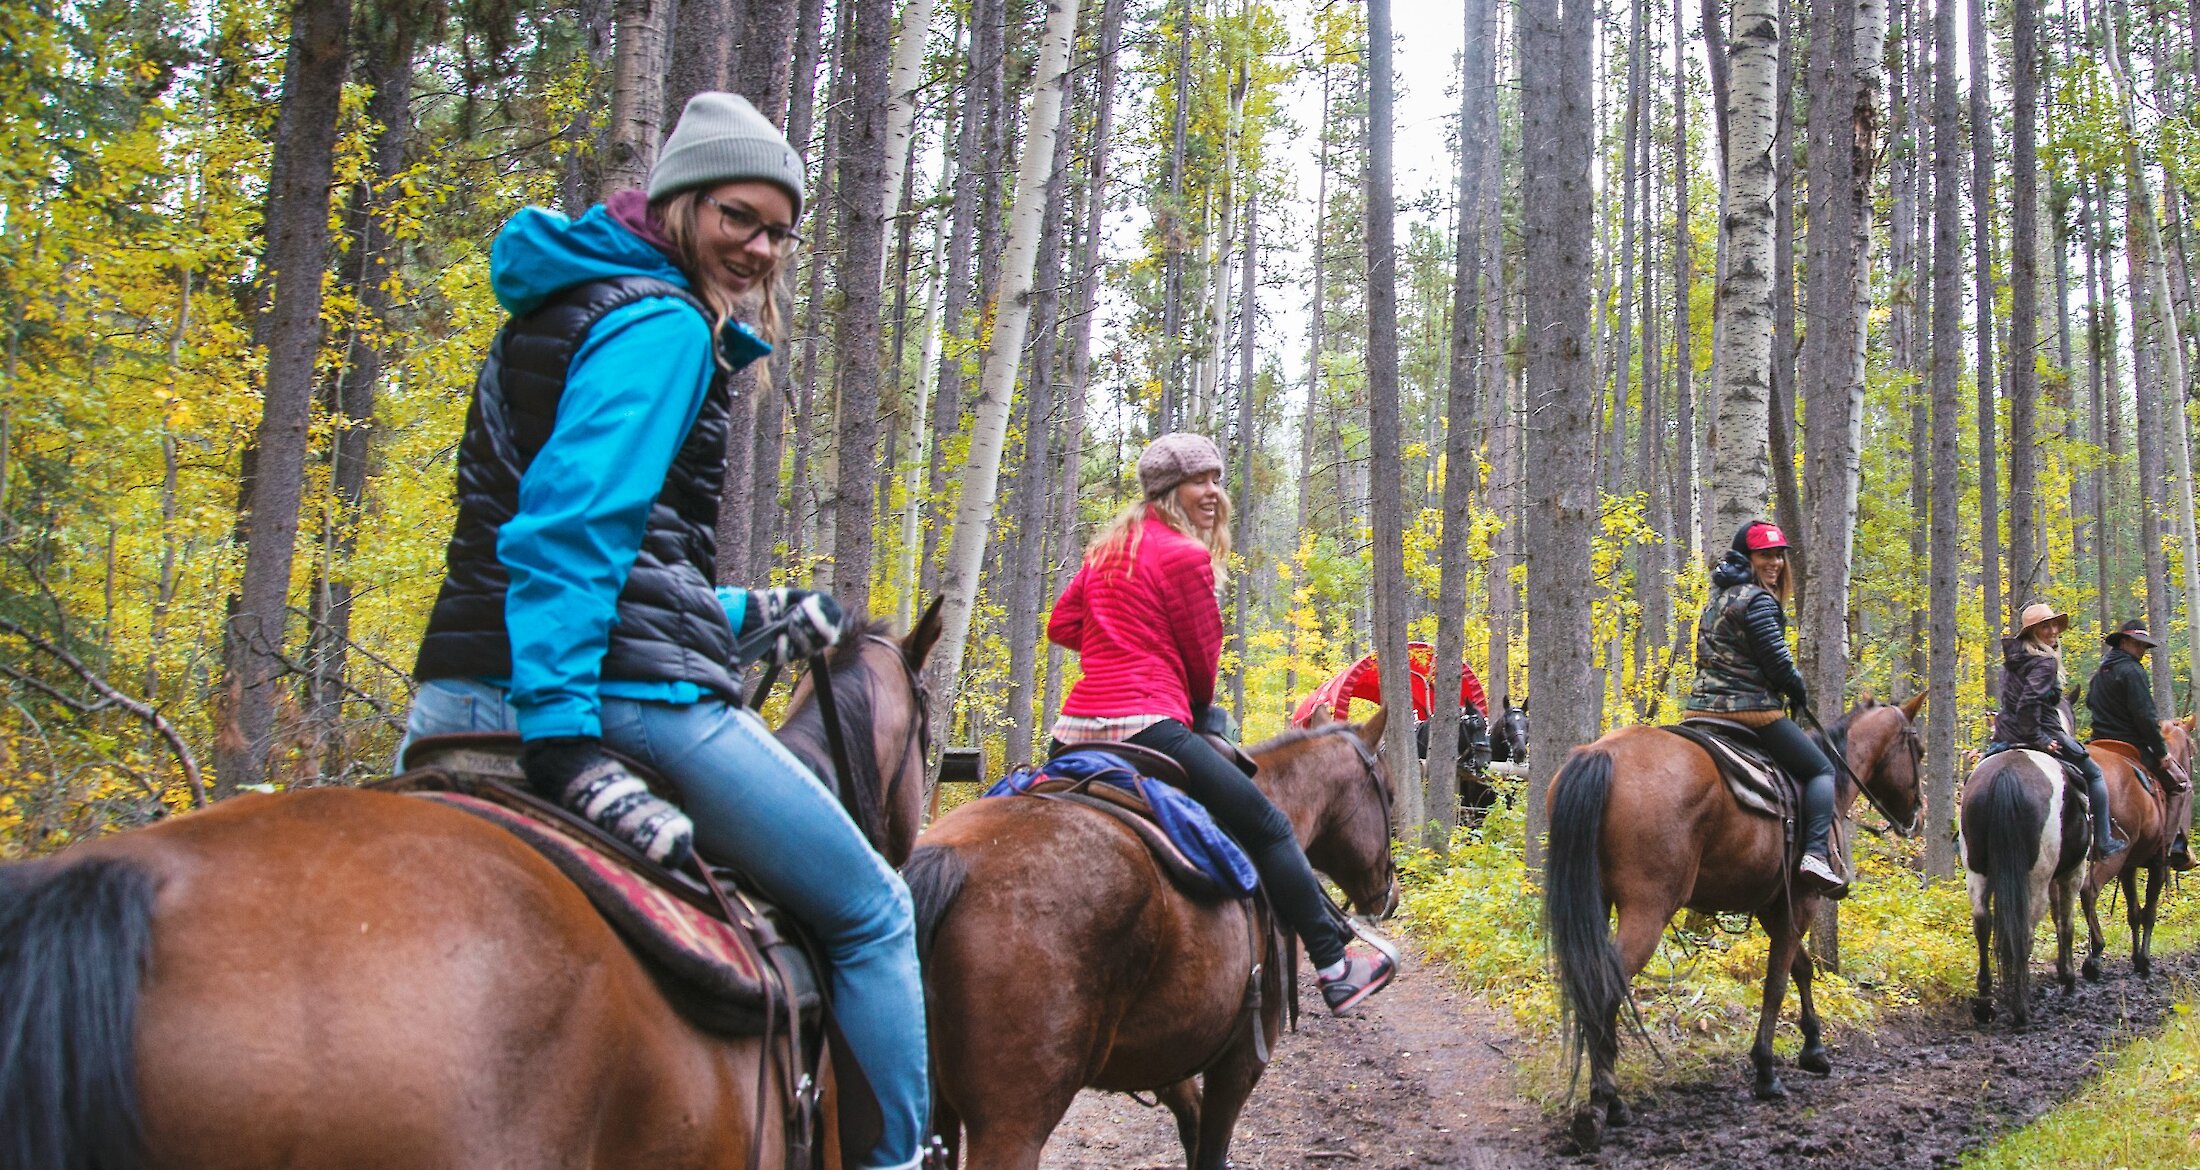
1509	733
2177	736
1330	781
878	686
1884	746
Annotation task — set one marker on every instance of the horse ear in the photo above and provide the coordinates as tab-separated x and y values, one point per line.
2076	689
1320	717
1911	708
917	644
1523	706
1371	732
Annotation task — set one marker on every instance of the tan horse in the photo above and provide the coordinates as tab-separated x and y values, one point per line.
2149	818
1642	823
335	978
1062	958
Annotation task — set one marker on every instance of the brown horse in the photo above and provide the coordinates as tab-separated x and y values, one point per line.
337	978
2149	817
1642	823
1060	957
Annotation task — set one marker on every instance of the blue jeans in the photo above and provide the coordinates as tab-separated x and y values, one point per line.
756	807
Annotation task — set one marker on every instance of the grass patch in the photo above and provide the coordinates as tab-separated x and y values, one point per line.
1905	940
2143	1111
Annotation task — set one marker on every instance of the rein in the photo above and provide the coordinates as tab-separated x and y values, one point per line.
828	709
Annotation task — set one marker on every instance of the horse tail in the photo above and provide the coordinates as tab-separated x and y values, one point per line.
74	943
2010	830
935	874
1591	981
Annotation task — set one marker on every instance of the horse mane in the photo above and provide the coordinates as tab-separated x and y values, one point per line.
804	731
1296	737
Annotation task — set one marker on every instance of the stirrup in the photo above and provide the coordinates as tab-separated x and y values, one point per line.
2115	846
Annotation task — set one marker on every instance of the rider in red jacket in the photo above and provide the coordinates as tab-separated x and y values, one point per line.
1142	615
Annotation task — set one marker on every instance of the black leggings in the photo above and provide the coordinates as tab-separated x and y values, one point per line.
1788	744
1246	813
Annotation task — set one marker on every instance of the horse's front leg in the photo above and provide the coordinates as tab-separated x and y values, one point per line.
1982	928
1813	1058
2142	926
2066	916
1786	939
2095	942
1183	1100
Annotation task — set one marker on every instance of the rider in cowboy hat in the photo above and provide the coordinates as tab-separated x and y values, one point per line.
2122	702
2031	711
1744	674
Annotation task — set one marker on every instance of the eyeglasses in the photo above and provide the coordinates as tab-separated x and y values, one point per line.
745	225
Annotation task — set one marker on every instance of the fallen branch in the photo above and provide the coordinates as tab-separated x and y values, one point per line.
107	692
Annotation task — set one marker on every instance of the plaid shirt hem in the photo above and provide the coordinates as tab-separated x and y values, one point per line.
1075	729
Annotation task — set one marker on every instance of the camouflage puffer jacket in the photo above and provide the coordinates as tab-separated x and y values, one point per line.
1742	660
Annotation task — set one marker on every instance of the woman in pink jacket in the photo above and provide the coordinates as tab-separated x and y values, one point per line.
1142	615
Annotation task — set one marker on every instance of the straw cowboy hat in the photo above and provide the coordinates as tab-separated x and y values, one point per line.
2040	613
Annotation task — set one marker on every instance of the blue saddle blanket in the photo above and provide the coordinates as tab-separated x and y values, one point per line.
1183	820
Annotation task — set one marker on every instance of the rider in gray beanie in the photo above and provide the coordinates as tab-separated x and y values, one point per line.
720	138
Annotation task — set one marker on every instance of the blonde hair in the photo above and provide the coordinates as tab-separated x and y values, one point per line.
677	216
1118	539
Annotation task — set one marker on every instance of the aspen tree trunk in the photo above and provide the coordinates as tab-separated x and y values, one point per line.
957	336
1686	501
989	424
297	253
1913	228
1740	468
2099	319
2150	362
1025	560
901	110
1248	445
1386	473
1461	413
860	274
1847	76
1982	327
1944	569
1555	41
637	93
1780	413
2024	300
1068	542
1314	323
1169	226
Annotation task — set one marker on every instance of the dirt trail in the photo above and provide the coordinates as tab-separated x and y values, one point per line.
1422	1079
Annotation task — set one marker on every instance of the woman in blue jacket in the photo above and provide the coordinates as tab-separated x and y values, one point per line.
577	607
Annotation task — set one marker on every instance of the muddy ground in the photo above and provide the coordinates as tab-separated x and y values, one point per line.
1423	1079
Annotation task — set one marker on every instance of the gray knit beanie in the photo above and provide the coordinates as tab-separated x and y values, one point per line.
1174	458
721	138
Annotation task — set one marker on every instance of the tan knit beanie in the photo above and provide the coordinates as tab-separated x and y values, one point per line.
1174	458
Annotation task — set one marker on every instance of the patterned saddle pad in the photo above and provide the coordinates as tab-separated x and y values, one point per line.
724	975
1187	843
1756	782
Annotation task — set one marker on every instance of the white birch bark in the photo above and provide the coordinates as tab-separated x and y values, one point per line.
1740	478
901	88
989	422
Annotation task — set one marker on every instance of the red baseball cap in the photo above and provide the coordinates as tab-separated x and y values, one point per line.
1762	535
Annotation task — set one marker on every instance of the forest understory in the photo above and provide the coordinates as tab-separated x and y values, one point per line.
1425	1077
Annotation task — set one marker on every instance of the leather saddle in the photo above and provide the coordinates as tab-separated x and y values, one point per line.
729	961
1164	767
1758	784
1131	810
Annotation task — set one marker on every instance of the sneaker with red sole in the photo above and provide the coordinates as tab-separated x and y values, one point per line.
1366	971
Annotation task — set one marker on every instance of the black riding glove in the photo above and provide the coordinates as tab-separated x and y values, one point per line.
574	771
809	621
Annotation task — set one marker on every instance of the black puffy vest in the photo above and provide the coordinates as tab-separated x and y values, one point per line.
670	625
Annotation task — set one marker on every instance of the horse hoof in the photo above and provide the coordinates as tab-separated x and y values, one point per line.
1982	1011
1770	1089
2069	985
2143	966
1814	1060
1618	1114
2092	970
1586	1131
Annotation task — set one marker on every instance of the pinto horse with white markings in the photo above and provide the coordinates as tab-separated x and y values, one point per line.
2024	842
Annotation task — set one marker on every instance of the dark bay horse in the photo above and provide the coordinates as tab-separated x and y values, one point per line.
1509	733
2024	842
1060	957
336	978
2147	816
1642	823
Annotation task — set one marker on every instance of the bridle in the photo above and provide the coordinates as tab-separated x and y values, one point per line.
836	743
1371	770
